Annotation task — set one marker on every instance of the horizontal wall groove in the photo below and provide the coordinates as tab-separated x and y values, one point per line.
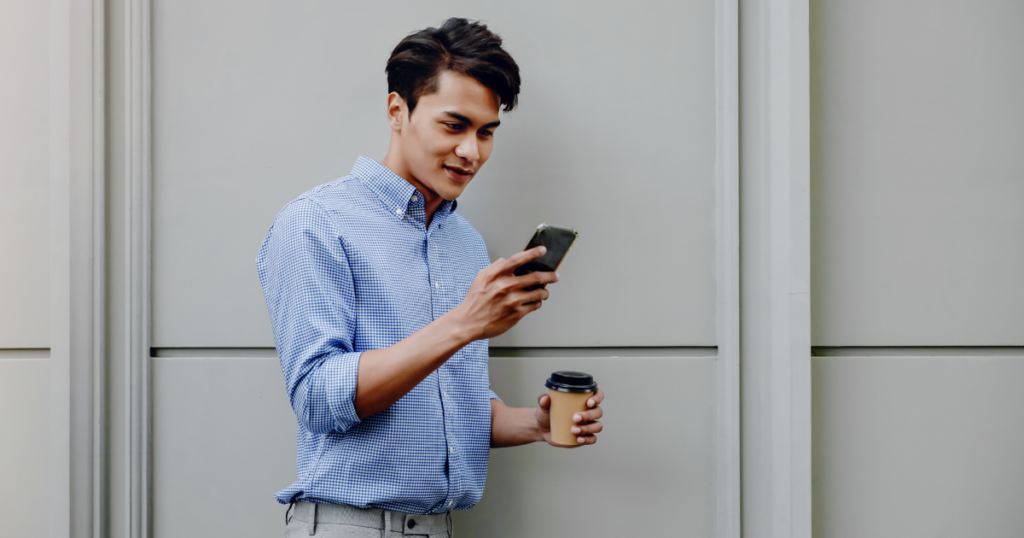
605	352
524	352
212	352
25	353
917	351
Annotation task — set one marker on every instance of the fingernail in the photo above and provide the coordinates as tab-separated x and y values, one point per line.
543	249
580	440
557	277
575	430
577	418
590	402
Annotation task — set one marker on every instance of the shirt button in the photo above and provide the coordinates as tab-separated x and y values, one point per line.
444	394
437	286
415	198
451	449
451	503
398	211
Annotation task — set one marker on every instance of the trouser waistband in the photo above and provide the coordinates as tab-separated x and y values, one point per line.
374	518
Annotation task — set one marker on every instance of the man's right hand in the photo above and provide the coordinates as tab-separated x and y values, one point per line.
497	299
494	303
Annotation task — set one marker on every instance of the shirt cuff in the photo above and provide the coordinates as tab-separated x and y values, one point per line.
341	373
494	396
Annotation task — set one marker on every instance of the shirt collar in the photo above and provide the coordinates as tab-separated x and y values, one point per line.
392	189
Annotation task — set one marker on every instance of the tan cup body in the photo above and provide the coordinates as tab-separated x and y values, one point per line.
563	406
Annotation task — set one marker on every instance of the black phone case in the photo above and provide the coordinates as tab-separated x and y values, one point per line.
557	240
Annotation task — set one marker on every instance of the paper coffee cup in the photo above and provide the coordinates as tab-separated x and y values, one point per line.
569	392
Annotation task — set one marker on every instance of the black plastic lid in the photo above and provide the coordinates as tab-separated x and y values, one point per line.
566	381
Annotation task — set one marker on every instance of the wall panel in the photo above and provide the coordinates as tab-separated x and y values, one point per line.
650	474
25	444
256	102
918	177
224	442
24	174
914	447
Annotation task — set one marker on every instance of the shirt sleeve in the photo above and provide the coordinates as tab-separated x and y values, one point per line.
310	295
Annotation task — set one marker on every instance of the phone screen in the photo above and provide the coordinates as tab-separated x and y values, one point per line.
557	240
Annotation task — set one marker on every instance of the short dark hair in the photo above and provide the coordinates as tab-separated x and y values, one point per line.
459	45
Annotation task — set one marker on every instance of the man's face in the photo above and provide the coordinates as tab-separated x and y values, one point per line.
450	134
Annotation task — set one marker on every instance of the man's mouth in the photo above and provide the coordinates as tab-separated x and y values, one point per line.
458	171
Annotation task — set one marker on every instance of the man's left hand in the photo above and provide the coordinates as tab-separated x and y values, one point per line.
585	425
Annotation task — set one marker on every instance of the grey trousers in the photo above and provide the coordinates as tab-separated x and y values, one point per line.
343	521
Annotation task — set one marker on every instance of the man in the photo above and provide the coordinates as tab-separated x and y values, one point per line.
382	299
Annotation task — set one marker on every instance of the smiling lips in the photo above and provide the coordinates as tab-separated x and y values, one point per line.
462	172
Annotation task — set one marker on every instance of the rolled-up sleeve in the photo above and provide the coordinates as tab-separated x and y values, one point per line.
311	298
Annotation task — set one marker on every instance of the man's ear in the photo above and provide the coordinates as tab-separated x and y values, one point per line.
397	111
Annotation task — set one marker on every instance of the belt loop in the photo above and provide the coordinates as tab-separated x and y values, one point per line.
312	521
288	511
386	531
451	524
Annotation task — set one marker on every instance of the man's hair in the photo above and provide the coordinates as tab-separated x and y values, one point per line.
460	46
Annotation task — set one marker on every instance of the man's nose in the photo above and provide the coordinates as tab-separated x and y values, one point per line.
469	148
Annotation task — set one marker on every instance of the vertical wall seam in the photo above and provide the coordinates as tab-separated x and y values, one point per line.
137	260
776	337
99	288
59	501
728	513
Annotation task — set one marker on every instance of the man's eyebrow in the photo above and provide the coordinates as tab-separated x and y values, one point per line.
469	122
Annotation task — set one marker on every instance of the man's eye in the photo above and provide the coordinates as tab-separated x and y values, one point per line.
455	126
486	133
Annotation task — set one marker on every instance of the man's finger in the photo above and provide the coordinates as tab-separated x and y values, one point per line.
586	439
532	296
520	258
596	399
525	308
589	415
491	271
535	278
544	401
592	428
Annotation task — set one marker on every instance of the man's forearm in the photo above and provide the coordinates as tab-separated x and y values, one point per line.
495	302
513	426
385	375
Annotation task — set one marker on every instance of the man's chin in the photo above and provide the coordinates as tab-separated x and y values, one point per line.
451	193
451	190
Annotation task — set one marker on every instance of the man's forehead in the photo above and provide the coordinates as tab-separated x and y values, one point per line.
464	96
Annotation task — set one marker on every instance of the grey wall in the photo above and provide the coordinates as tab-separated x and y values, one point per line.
24	175
24	266
223	432
917	185
254	103
651	473
918	446
918	173
24	444
917	227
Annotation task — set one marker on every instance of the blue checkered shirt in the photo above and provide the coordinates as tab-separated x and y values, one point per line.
348	267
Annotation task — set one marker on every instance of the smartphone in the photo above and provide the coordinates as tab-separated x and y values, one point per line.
557	240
